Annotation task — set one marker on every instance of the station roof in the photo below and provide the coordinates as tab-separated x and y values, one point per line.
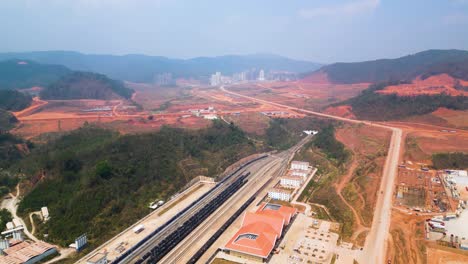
24	251
277	210
257	236
261	229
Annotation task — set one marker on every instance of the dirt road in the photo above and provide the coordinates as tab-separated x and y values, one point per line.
377	239
12	205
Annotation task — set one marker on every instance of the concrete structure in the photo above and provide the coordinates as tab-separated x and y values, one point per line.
10	225
308	240
10	231
299	165
280	194
17	223
462	173
27	252
98	258
291	181
257	237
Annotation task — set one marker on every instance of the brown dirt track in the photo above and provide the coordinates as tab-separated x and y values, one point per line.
368	145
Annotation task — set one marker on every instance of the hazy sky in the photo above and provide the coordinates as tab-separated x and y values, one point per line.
316	30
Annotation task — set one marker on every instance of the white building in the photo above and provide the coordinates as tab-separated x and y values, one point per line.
299	165
261	75
215	79
210	117
45	213
280	194
300	173
291	181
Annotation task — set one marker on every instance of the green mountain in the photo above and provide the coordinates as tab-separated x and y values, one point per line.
19	74
98	182
141	68
12	100
86	85
426	63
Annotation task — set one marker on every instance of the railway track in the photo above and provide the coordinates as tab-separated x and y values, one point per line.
162	240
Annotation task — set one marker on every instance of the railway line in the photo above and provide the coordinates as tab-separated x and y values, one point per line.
195	244
157	245
162	240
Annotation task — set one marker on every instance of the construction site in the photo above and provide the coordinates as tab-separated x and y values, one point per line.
422	191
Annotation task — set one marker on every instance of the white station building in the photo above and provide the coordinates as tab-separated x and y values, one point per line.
280	194
300	165
291	181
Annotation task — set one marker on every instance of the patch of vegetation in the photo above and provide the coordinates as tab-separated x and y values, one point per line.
10	151
13	100
7	182
20	74
98	182
5	217
453	160
325	140
86	85
163	106
7	121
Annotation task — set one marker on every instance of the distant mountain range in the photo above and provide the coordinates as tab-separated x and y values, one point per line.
426	63
19	74
142	68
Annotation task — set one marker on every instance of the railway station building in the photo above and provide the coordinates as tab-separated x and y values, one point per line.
260	231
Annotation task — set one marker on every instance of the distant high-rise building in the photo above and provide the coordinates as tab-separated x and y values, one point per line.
215	79
164	79
261	75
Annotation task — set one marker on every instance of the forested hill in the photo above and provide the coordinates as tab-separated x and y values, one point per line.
7	121
12	100
142	68
86	85
98	182
426	63
19	74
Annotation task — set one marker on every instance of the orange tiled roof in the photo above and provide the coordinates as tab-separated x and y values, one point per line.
257	236
261	229
276	210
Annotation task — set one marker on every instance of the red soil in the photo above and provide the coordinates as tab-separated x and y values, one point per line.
437	84
342	110
319	77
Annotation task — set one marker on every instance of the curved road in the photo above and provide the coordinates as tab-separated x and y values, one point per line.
377	239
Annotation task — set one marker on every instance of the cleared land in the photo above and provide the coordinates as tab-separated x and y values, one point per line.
437	84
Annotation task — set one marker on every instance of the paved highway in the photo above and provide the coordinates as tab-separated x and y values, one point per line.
377	239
